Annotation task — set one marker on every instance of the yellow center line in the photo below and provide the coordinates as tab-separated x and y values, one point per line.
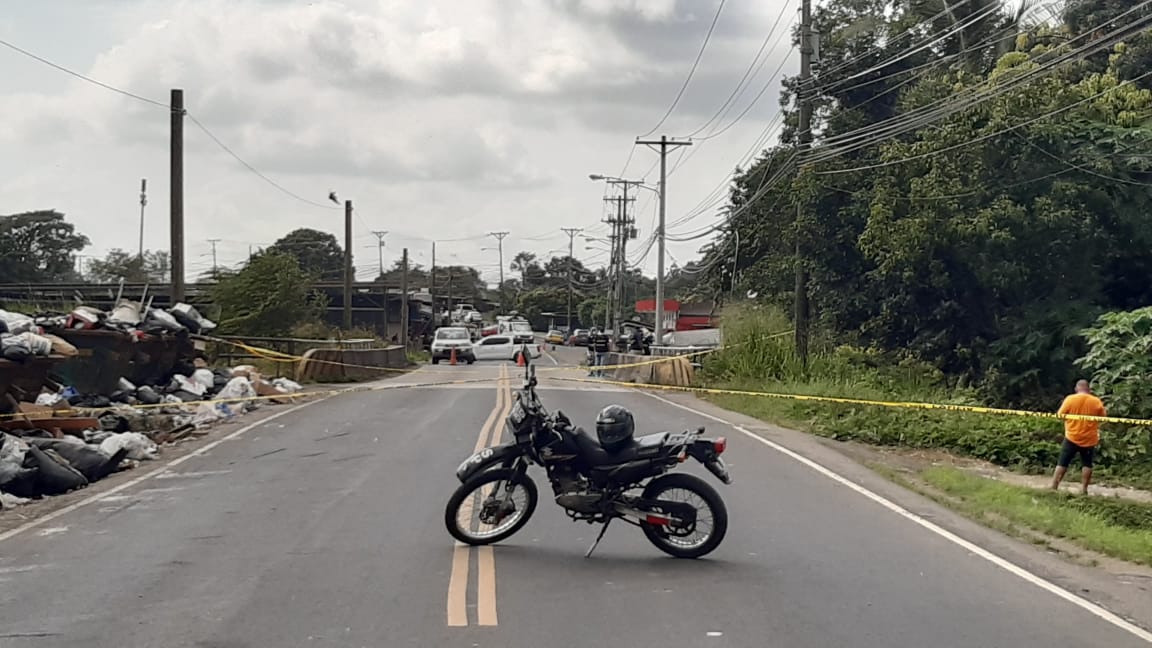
457	610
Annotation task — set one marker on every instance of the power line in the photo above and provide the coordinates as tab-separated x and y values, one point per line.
691	72
83	77
253	169
740	86
987	136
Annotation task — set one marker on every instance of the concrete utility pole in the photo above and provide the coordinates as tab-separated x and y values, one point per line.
664	143
571	232
499	236
215	273
404	299
347	265
143	203
176	195
380	248
804	137
432	285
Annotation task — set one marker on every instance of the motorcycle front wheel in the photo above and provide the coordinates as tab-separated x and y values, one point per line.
490	507
698	539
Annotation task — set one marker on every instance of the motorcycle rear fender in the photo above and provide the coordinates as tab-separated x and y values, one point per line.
502	454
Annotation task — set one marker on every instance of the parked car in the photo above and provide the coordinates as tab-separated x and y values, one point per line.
502	347
580	337
555	337
449	338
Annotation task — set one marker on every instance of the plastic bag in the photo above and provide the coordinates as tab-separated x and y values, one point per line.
238	387
139	446
287	386
48	400
204	377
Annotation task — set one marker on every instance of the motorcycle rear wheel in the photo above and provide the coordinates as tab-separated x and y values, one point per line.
491	490
674	542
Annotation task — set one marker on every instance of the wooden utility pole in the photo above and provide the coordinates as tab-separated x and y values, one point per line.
571	232
499	236
664	143
215	271
804	141
380	248
347	265
404	299
176	195
143	204
432	286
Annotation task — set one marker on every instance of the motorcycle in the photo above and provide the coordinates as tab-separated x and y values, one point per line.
681	514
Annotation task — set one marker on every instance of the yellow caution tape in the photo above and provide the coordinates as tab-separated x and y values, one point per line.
658	360
278	356
972	409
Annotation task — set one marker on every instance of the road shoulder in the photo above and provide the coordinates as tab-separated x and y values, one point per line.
1120	587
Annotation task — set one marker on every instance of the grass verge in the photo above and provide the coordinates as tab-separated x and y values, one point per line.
1113	527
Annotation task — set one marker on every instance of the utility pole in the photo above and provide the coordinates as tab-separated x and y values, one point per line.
143	203
499	236
404	300
804	137
347	265
571	232
380	248
432	285
215	273
664	143
176	195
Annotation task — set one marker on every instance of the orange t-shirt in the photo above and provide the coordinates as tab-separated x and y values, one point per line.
1085	434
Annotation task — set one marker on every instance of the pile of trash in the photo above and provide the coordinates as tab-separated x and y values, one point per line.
36	463
53	447
21	338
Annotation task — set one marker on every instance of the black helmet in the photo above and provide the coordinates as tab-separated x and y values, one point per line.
614	427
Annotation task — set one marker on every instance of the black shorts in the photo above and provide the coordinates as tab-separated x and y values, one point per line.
1069	449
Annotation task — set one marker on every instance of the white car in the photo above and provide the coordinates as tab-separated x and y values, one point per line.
501	347
449	338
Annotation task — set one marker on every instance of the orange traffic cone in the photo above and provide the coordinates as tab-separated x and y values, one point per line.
519	358
452	358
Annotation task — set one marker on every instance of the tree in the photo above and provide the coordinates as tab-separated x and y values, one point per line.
120	264
417	275
534	303
38	246
318	253
525	263
269	297
1006	213
460	284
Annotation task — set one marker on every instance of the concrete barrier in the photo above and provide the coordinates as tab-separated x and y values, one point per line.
337	365
675	371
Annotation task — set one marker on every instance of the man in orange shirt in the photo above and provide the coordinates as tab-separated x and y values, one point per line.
1080	436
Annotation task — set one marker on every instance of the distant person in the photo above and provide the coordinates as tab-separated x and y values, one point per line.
600	344
1080	436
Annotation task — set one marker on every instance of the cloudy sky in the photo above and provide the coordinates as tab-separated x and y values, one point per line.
440	119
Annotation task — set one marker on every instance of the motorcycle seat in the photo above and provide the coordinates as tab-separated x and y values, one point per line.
595	454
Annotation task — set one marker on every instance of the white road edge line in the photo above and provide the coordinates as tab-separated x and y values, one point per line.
549	356
132	482
1006	565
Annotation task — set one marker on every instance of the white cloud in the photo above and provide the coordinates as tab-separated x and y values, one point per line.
441	118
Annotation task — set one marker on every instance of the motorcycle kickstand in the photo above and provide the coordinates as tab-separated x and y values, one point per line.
598	538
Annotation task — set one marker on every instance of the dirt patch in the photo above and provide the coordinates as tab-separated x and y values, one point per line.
913	461
904	466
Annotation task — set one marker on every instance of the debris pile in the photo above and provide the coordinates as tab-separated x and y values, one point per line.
73	406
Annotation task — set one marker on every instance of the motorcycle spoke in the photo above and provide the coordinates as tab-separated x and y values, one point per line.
469	514
705	523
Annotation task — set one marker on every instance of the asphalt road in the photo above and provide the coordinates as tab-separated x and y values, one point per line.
323	527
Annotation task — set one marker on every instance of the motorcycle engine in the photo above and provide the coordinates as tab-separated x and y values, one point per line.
573	492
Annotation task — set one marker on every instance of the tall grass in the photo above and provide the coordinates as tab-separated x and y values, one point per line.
757	358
